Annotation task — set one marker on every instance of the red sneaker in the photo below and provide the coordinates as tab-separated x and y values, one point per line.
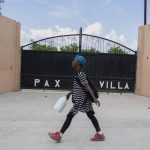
98	137
55	136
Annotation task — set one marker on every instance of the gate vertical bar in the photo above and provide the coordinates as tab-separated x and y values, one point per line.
80	40
135	70
21	49
145	12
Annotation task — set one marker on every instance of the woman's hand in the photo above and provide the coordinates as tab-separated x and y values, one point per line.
96	101
68	95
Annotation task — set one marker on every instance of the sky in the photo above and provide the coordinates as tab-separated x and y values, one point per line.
117	20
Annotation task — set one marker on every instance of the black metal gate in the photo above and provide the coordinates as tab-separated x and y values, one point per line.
109	70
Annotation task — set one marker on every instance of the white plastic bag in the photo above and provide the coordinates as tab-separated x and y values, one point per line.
60	104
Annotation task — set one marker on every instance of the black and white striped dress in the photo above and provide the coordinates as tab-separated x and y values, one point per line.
80	98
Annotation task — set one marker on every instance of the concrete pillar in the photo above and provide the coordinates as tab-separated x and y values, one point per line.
143	62
9	55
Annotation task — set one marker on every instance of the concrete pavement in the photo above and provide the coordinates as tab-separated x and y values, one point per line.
27	116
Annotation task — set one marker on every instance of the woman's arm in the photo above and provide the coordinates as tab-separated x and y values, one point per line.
88	88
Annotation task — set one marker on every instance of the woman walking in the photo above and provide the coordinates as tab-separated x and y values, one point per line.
81	101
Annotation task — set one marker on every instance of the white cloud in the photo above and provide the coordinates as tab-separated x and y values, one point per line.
95	29
133	45
113	35
25	37
37	34
67	30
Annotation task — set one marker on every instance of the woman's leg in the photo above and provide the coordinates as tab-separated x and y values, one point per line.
67	122
58	135
91	116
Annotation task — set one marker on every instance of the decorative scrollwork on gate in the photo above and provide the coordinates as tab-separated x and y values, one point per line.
90	43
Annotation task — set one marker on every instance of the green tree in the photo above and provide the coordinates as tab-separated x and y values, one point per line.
89	50
70	48
74	48
42	47
116	50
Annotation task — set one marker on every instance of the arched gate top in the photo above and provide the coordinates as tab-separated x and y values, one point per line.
90	43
